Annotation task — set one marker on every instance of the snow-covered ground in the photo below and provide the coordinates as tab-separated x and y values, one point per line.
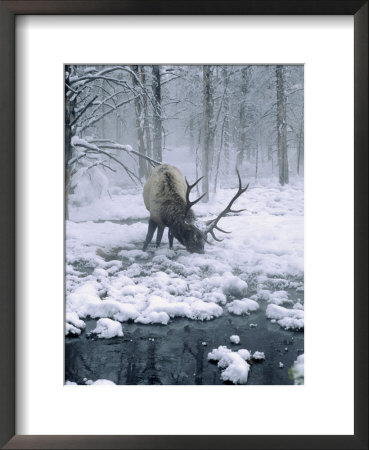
109	276
259	266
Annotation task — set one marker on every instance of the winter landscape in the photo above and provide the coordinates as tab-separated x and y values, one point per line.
231	312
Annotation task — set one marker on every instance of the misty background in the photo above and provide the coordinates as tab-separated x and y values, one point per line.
120	121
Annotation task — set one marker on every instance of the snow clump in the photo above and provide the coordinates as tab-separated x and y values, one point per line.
244	306
153	317
107	328
286	318
73	324
297	370
234	339
258	356
233	285
101	382
234	365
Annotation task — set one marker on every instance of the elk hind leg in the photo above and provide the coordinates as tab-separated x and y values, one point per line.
150	234
159	236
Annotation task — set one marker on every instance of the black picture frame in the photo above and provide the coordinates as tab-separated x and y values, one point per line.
8	12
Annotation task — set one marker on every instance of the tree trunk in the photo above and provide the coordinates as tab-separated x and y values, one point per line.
300	154
142	168
256	161
207	131
281	127
270	150
243	125
218	160
191	136
68	134
226	121
156	88
146	116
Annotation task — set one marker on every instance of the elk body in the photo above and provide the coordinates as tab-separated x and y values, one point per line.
167	198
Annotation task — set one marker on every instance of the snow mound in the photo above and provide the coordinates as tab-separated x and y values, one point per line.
101	382
107	328
286	318
244	306
298	305
73	324
233	285
72	318
234	339
189	307
71	330
257	356
235	368
234	364
279	298
245	354
297	370
204	311
85	301
153	317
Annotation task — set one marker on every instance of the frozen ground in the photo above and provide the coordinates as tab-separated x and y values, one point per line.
252	281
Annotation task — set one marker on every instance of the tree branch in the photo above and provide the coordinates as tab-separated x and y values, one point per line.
83	110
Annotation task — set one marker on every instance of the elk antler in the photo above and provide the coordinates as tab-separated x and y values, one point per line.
213	223
190	204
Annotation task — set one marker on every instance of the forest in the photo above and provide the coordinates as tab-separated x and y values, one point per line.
122	120
144	314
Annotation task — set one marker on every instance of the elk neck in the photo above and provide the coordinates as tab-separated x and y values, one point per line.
173	216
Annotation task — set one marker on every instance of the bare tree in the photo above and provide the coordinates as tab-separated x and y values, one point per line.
246	76
207	131
156	88
225	130
147	126
142	172
93	94
70	104
300	145
282	127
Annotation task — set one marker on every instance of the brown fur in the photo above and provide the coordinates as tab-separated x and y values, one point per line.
164	185
165	198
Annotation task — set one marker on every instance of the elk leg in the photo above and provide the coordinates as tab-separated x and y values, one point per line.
170	237
150	234
159	236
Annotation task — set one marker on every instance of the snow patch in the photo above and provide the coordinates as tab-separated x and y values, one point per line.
107	328
233	285
244	306
71	329
235	368
72	318
258	356
153	317
286	318
101	382
234	339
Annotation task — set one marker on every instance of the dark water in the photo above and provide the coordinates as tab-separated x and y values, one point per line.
175	354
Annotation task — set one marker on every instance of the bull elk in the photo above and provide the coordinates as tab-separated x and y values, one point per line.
167	197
